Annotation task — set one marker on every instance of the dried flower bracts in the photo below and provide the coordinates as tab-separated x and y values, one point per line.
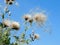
36	36
27	17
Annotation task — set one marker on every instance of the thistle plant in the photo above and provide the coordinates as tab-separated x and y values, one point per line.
7	25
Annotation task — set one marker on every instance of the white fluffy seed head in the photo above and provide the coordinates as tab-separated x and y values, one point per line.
40	17
36	36
15	25
7	23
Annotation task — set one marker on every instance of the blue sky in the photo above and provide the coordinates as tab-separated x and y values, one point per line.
52	7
